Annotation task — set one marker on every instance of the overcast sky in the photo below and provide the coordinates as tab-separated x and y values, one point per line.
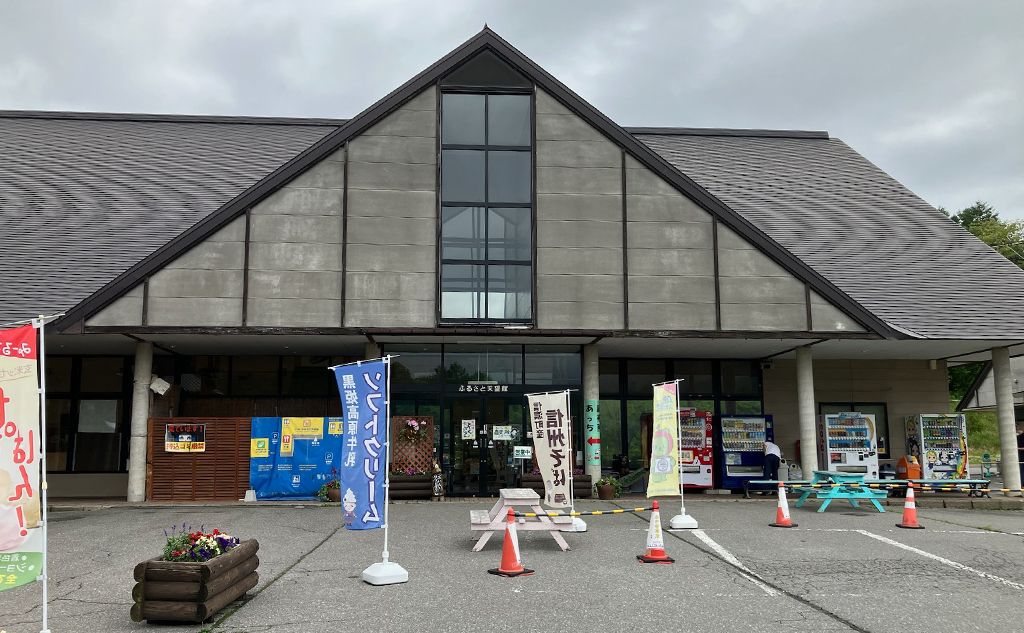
932	91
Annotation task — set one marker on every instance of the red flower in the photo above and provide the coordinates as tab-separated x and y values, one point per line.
215	531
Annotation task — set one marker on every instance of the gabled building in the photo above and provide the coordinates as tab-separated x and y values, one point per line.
499	235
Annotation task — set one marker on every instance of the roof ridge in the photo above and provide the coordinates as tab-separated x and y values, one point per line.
718	131
168	118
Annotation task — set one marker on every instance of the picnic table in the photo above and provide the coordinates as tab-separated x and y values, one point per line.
490	521
829	485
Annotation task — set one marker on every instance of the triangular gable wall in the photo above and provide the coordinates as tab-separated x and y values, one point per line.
607	304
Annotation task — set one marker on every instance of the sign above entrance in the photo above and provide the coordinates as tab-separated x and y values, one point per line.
484	388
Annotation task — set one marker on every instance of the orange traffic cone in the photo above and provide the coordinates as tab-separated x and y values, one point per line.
910	511
655	542
782	512
511	563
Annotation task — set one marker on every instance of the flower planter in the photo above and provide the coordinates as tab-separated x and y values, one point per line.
193	592
334	495
581	485
606	492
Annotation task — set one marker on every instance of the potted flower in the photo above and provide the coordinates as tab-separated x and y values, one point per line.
331	490
608	488
412	430
198	574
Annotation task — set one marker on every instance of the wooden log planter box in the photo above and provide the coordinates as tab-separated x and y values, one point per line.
193	592
581	487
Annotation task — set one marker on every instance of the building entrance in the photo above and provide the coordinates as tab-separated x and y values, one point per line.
479	451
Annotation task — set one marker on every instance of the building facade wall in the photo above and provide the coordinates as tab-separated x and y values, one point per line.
906	387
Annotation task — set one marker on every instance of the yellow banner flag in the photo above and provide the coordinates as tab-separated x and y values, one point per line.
664	475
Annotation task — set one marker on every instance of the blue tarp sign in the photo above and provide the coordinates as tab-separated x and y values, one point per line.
291	458
363	466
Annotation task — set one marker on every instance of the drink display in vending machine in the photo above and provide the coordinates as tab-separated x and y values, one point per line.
847	442
939	442
695	448
743	440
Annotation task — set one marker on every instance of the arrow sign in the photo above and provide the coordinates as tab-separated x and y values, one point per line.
593	440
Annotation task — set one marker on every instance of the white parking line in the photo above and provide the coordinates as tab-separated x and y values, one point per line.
732	560
944	561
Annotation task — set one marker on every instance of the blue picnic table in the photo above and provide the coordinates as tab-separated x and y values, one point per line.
832	484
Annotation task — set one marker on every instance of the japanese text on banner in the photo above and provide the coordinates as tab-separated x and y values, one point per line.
664	477
364	449
20	530
549	417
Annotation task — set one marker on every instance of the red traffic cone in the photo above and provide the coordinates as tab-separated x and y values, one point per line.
655	542
782	512
511	564
910	511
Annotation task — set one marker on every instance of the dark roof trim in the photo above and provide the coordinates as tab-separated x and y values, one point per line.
717	131
469	330
486	39
973	389
166	118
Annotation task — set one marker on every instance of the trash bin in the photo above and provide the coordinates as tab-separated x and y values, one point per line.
908	468
886	471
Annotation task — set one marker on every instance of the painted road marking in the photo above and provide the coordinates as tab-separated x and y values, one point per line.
944	561
732	560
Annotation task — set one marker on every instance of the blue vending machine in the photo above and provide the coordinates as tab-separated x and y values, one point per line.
743	438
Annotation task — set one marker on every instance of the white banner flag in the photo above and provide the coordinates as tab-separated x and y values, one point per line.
549	415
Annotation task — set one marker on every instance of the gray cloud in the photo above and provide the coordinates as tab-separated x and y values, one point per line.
928	90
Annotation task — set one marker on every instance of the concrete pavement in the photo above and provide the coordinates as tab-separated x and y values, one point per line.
841	570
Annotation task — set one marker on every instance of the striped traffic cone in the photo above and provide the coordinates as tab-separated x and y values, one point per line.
910	511
511	563
782	512
655	542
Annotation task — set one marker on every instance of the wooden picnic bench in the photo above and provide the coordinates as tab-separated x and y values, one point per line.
490	521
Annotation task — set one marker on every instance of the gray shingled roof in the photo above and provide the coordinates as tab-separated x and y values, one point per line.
84	197
862	230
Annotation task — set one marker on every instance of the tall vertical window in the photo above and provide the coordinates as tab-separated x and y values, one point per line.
486	207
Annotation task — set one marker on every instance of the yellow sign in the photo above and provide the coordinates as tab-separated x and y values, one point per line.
664	477
185	447
303	428
335	426
287	446
259	447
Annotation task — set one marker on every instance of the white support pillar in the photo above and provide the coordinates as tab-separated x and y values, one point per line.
805	410
591	399
1009	467
372	351
140	417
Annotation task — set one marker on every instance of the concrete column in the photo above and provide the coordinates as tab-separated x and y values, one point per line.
806	412
372	351
1008	464
140	417
591	399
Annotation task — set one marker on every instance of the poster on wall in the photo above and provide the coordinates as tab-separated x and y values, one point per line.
288	466
185	438
468	429
21	538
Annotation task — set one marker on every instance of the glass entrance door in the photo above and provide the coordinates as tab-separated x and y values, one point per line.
485	429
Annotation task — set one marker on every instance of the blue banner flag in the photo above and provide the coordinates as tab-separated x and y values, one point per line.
363	389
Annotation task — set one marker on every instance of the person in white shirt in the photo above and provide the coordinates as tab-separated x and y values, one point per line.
772	459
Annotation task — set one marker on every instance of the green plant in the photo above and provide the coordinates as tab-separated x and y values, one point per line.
186	545
610	481
333	484
413	431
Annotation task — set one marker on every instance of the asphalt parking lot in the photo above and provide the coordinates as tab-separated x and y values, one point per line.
846	569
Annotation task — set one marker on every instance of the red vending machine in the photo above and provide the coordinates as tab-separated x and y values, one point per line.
696	456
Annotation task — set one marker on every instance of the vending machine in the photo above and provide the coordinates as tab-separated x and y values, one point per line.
848	442
743	438
696	454
939	442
